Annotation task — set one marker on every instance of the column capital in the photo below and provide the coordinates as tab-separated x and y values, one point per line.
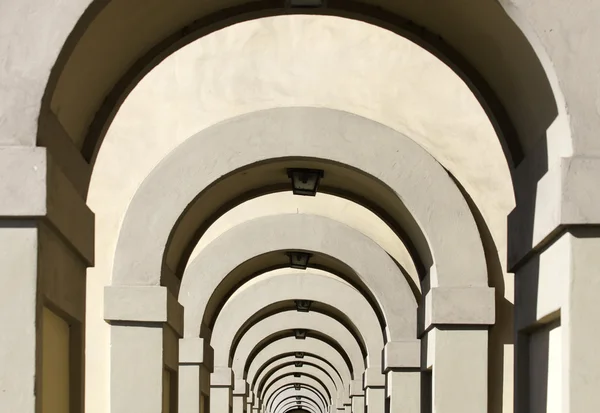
196	351
356	388
372	377
142	304
33	186
550	198
222	377
402	355
459	306
240	387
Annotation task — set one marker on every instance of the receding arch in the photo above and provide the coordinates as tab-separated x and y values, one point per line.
304	388
219	267
432	212
291	345
305	382
504	86
311	359
268	386
291	402
291	397
266	289
281	366
272	324
289	377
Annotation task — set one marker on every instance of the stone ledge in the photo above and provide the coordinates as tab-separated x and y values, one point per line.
222	377
142	304
33	186
398	355
459	306
195	350
240	387
565	195
372	377
356	388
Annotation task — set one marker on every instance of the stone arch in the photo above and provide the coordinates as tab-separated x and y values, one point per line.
281	365
314	359
266	289
304	387
269	325
34	84
291	403
220	265
268	386
433	211
282	393
290	344
88	26
305	382
289	397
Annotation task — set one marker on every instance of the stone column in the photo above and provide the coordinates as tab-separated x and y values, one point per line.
458	320
249	401
146	324
558	364
402	363
240	392
195	366
553	251
357	396
374	386
46	244
221	387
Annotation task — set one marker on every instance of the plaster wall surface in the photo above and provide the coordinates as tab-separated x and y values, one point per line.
285	61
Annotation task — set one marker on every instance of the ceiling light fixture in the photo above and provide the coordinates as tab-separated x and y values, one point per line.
298	259
303	306
305	182
300	334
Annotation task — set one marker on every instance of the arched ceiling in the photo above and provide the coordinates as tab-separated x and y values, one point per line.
342	180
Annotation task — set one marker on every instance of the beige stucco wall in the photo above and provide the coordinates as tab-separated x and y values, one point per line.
288	61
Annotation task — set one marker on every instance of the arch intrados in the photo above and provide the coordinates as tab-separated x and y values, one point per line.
305	404
313	333
288	306
267	289
432	198
309	334
251	343
310	371
271	386
285	345
446	39
278	260
283	367
305	382
210	273
290	400
275	367
307	387
268	177
310	358
304	391
296	410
